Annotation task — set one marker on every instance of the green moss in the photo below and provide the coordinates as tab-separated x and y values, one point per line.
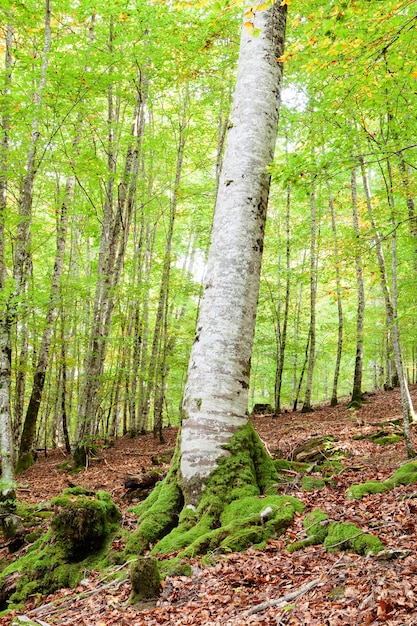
347	536
405	475
77	540
388	440
145	579
237	508
282	464
83	521
337	593
311	483
336	536
370	487
354	404
315	525
24	462
330	467
385	438
174	567
158	514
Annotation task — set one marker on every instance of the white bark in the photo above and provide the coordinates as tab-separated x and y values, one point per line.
6	437
216	393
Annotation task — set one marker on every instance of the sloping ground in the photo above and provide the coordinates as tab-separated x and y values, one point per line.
316	587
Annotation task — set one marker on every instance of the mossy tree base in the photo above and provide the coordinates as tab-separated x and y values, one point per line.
239	506
25	461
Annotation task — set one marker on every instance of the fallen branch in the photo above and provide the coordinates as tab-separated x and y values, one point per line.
58	606
283	599
293	595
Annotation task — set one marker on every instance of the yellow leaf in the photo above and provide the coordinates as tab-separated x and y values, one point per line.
248	27
284	2
414	74
249	14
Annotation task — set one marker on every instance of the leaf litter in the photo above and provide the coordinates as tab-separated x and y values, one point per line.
269	586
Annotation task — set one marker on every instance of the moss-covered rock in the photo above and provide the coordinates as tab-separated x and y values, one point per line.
76	541
369	487
335	536
315	525
405	475
239	506
82	521
347	536
385	437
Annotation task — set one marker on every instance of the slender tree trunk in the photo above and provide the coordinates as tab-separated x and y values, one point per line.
356	397
333	400
297	316
157	364
282	336
143	411
411	206
302	373
22	245
307	407
7	480
64	377
392	320
113	242
29	427
216	395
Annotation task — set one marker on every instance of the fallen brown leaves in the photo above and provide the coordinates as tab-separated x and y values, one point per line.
267	586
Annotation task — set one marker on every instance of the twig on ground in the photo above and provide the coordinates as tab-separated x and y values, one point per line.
54	607
276	602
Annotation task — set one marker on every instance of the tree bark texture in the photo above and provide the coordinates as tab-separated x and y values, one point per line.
215	401
6	436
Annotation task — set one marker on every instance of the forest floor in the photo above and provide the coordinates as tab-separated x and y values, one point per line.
330	589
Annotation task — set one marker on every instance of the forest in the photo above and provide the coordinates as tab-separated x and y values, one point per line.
122	135
113	127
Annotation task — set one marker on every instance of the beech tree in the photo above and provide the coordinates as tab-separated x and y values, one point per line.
215	404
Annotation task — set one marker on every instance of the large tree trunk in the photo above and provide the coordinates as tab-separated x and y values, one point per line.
216	395
206	478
